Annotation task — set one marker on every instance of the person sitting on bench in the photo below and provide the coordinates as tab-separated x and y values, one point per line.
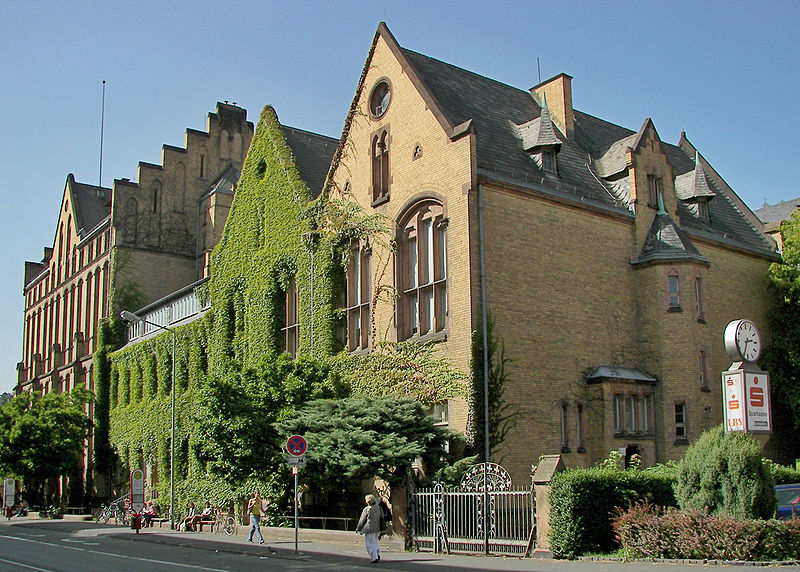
206	515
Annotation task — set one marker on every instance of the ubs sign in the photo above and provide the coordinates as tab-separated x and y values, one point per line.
746	401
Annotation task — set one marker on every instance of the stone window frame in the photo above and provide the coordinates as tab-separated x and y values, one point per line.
290	327
653	190
699	298
375	113
633	412
680	422
358	294
429	263
702	366
380	165
673	292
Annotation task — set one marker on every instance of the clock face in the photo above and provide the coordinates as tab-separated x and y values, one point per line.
748	342
742	341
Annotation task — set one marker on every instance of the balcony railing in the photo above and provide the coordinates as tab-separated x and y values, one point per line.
175	309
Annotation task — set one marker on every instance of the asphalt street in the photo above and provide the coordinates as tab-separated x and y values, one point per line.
79	546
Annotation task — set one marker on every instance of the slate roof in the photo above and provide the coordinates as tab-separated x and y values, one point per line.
225	183
616	372
778	212
90	206
313	154
537	132
694	184
591	164
666	242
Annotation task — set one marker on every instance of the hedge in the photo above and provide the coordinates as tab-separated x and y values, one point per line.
583	503
647	531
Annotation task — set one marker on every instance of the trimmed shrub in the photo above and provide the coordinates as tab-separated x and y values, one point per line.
647	531
782	475
583	503
724	474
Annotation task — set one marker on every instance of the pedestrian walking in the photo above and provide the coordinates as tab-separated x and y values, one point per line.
370	525
255	507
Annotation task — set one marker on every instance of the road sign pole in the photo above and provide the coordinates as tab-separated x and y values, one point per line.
295	470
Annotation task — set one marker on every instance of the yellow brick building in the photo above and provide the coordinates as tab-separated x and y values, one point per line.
129	245
610	260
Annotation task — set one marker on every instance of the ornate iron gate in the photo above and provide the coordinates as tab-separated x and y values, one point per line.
484	515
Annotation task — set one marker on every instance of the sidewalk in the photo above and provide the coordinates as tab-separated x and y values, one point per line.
335	547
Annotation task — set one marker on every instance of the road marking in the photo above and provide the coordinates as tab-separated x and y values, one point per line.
21	565
84	542
112	554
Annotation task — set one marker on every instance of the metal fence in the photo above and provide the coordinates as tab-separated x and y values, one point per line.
445	520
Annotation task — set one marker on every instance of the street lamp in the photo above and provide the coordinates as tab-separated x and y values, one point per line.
130	317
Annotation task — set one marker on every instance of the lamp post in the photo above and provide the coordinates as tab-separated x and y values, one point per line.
130	317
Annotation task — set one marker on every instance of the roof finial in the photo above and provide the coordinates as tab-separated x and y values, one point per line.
661	210
544	101
696	158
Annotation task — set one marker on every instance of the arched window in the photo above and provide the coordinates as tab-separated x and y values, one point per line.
422	271
358	296
380	166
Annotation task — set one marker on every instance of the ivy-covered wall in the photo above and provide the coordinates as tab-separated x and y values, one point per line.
274	225
269	237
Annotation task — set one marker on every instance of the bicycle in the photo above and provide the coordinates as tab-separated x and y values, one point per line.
225	522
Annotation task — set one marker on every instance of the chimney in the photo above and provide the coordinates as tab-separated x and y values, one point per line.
558	91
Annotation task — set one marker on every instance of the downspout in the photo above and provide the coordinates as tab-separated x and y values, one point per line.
484	332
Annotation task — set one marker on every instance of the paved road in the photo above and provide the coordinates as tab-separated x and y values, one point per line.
63	546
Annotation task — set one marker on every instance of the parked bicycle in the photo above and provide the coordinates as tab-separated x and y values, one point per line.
119	510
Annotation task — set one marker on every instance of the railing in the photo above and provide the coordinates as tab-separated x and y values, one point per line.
181	306
340	522
453	520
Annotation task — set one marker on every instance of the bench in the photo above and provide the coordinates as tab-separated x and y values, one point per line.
210	524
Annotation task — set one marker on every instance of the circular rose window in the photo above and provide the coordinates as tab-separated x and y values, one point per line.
380	98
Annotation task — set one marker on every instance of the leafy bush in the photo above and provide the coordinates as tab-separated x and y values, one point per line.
724	474
583	503
782	475
647	531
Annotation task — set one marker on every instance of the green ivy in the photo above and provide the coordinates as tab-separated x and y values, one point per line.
274	228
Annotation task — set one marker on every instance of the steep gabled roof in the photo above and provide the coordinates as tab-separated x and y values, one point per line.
592	162
91	205
312	154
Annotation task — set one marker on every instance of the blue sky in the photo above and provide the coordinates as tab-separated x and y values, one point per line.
725	72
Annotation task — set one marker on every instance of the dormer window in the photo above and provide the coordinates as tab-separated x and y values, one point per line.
549	162
702	209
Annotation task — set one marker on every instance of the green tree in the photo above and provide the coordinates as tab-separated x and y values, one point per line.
43	437
724	473
358	438
237	411
782	357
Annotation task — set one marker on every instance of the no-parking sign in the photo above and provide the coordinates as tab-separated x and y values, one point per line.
296	445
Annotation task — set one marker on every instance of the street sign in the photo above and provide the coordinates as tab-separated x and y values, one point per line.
137	490
746	401
295	470
9	490
296	445
297	461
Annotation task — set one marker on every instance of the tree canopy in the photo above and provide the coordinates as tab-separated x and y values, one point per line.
236	413
782	356
360	438
43	436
